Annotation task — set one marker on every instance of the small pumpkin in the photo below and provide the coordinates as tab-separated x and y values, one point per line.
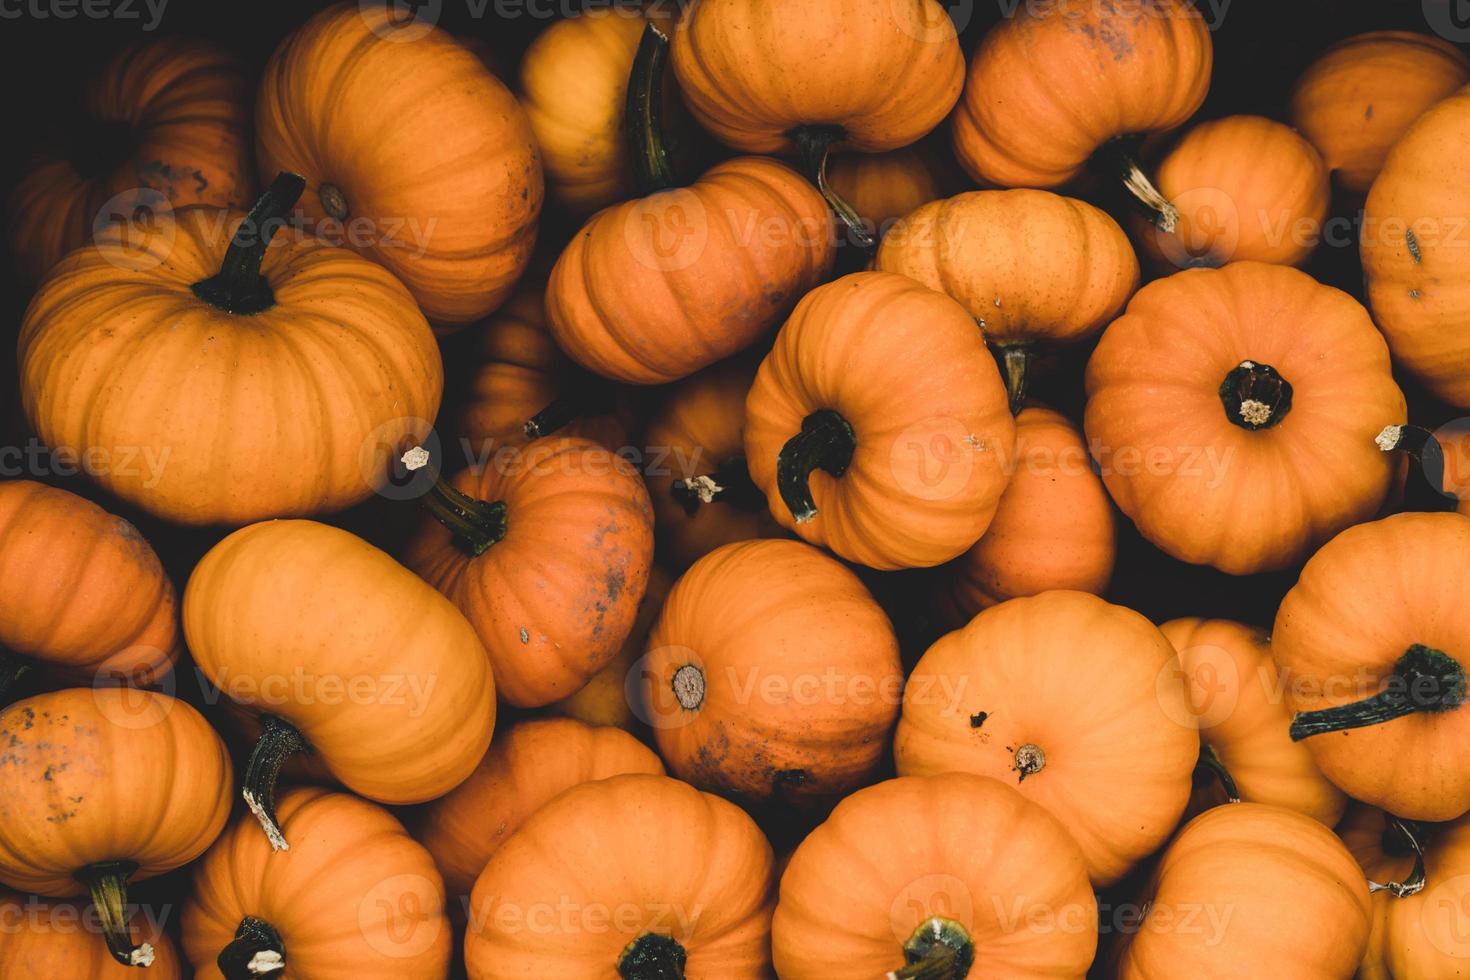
52	940
355	896
527	766
1373	639
665	881
165	125
546	551
1229	441
446	197
772	675
927	876
1357	98
343	654
883	187
1245	888
85	597
150	359
1105	742
105	786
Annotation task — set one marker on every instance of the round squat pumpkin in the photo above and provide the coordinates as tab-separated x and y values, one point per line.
414	154
661	880
1228	440
877	426
55	941
927	876
1373	639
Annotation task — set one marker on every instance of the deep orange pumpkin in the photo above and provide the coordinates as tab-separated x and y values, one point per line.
883	187
52	940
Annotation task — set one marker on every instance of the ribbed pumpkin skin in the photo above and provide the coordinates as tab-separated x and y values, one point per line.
275	600
526	768
653	289
553	600
430	151
186	106
1361	602
1236	694
657	853
107	774
1119	740
965	847
1246	188
83	593
354	896
1054	82
1263	886
1358	97
52	940
907	369
206	417
800	674
883	187
886	71
1198	485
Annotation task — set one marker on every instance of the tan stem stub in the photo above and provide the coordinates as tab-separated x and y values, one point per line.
705	488
334	202
1029	760
688	687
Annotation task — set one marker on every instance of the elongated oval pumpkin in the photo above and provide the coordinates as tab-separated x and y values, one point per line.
936	874
1374	639
210	379
1228	440
415	155
56	941
1103	741
103	786
343	654
772	675
877	426
618	852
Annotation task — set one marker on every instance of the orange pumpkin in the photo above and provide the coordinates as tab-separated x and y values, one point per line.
210	379
1358	97
877	426
527	766
344	654
1244	889
883	187
447	196
84	595
1245	188
355	896
772	675
1054	527
660	880
165	126
937	872
546	551
1373	640
53	940
1034	269
1106	743
102	786
1228	440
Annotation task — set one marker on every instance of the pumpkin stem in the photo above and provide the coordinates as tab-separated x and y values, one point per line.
939	949
559	413
278	741
1421	446
652	956
1412	834
815	143
1116	156
475	524
1211	765
1255	396
239	287
107	884
825	442
729	483
1423	679
12	669
1029	760
1015	360
643	114
256	952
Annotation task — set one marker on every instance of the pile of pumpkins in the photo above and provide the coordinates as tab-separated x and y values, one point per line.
717	755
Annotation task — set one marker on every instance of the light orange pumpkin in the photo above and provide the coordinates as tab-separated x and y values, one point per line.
55	941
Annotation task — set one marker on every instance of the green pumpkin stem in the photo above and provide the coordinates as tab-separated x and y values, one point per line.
814	143
1423	679
643	114
1255	396
278	741
729	483
107	884
825	442
239	287
1412	834
652	956
475	524
1211	765
1116	157
939	949
1015	361
257	951
12	668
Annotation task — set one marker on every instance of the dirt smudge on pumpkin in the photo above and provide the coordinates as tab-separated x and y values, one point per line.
1412	241
978	718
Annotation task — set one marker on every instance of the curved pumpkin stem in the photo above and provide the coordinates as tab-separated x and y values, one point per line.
643	114
12	668
475	524
1412	834
653	956
1423	679
814	144
825	442
1211	764
1255	396
107	884
729	483
557	415
1015	361
278	741
939	949
256	952
1421	446
239	287
1116	157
